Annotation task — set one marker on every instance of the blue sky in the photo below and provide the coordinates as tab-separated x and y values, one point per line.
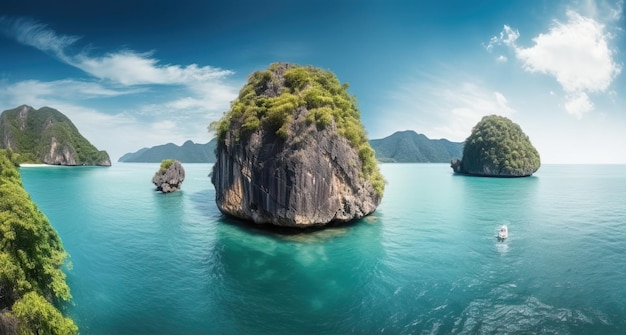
132	74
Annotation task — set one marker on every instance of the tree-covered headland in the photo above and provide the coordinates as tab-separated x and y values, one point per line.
32	283
47	136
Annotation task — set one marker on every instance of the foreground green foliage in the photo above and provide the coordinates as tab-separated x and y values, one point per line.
271	101
31	256
499	144
30	134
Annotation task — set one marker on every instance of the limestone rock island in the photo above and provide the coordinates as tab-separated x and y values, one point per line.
292	151
47	136
497	147
169	177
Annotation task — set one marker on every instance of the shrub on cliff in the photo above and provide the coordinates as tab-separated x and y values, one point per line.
498	147
268	100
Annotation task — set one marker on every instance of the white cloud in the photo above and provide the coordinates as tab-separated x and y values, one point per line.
578	104
31	91
501	59
464	106
576	53
507	37
446	105
205	91
124	67
29	32
131	68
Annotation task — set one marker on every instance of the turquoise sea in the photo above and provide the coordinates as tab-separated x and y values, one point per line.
426	262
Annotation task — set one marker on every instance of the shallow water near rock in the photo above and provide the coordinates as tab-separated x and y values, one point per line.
427	261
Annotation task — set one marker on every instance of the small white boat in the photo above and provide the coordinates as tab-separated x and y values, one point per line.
503	232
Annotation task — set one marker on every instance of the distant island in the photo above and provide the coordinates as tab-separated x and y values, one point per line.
497	147
410	147
189	152
400	147
47	136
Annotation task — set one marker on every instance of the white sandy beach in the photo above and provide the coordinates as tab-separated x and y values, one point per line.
34	165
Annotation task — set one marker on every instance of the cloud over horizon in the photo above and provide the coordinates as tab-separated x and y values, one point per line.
577	54
204	92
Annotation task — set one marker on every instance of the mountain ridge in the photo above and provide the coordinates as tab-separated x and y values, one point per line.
188	152
405	146
408	146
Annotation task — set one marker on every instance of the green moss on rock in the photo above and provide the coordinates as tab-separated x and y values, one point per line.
271	97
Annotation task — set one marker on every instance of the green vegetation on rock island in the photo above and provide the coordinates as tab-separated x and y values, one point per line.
271	97
32	283
498	147
47	136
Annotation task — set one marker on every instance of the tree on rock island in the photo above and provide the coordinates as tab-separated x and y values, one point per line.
497	147
292	151
169	177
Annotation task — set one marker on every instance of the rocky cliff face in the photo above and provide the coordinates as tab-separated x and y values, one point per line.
169	177
296	173
47	136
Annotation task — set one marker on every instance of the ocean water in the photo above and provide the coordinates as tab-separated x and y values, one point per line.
426	262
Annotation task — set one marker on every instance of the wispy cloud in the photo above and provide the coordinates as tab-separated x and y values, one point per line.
204	91
131	68
32	91
442	105
118	131
576	53
124	67
32	33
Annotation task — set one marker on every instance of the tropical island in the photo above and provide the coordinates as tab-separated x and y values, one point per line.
169	177
32	283
47	136
410	147
189	152
292	151
497	147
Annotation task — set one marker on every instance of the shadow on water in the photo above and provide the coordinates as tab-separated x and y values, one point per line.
497	200
288	281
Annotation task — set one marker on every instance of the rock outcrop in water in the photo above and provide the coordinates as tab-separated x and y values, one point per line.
497	147
170	176
47	136
292	152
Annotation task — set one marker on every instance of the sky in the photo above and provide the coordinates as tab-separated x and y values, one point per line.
134	74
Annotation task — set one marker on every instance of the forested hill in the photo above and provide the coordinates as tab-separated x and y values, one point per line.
189	152
401	147
47	136
411	147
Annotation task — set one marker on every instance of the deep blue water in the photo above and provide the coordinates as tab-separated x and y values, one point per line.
427	261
